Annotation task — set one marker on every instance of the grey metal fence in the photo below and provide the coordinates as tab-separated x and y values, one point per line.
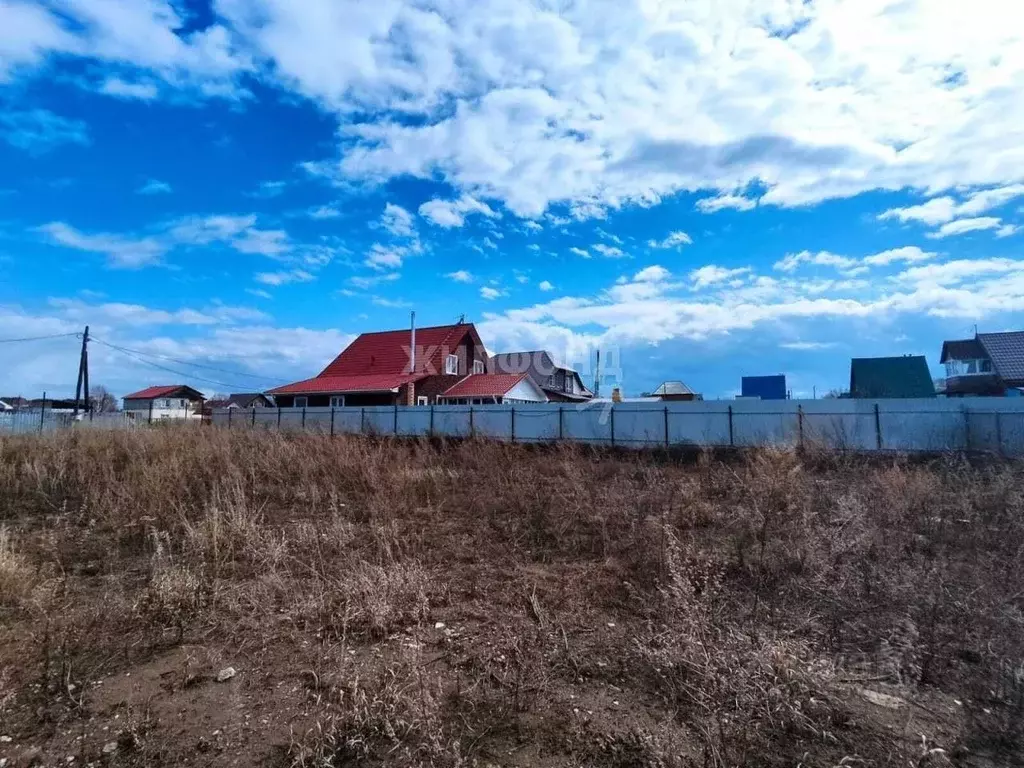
42	420
994	425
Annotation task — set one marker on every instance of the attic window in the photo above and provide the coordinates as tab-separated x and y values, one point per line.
478	366
451	365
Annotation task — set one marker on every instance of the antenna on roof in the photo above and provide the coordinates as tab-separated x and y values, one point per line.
462	320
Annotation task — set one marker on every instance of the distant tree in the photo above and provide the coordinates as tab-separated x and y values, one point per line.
836	394
103	401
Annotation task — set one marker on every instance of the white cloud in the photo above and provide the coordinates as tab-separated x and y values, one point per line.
910	253
385	257
653	274
269	189
154	187
488	243
713	275
382	301
397	221
121	252
323	212
808	346
489	293
460	276
723	202
39	130
608	251
941	210
453	213
210	229
121	89
545	286
533	247
273	242
1006	230
535	104
284	278
259	292
822	259
674	240
580	252
963	226
365	282
533	226
952	272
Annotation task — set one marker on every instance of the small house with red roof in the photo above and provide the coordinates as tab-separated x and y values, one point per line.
494	389
413	366
170	401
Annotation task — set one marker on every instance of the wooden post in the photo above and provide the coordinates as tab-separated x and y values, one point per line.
732	442
512	414
150	410
362	421
666	426
303	417
279	417
431	421
561	419
878	428
229	417
611	412
253	416
999	433
42	414
800	425
395	425
472	428
332	421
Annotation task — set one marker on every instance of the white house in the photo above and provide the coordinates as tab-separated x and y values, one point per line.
174	401
494	389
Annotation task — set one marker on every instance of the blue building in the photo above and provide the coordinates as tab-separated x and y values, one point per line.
765	387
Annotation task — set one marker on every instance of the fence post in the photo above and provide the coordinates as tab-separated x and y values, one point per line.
253	424
512	414
666	426
42	414
279	418
967	428
800	425
611	411
431	421
332	421
472	428
878	428
150	411
561	427
731	442
303	418
362	421
395	425
999	433
229	417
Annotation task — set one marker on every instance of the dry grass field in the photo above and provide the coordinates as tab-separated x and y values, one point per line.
200	597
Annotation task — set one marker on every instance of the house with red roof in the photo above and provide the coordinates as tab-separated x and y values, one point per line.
413	366
169	401
494	389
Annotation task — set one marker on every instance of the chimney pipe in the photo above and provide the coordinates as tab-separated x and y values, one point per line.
412	345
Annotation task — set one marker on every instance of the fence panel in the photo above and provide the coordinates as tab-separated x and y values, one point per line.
895	425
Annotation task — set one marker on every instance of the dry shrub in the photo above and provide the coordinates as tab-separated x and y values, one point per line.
16	574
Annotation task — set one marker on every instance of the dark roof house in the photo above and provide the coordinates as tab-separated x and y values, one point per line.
674	390
884	377
388	368
244	400
988	364
176	391
560	383
764	387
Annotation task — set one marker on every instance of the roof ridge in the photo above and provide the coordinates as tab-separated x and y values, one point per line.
418	328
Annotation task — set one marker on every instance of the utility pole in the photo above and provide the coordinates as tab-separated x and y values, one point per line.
83	374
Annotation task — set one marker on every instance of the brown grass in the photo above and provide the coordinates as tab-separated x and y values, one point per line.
461	604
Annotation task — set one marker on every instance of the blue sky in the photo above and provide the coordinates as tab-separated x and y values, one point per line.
701	189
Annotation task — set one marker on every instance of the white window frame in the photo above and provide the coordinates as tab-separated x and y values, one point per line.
478	367
422	400
451	365
337	401
301	402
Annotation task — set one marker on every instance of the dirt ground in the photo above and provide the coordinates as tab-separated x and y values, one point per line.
198	597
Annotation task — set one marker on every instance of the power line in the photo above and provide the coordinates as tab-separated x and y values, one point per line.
186	362
40	338
171	370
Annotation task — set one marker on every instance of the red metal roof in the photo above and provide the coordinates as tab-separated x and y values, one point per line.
388	351
150	393
485	385
342	384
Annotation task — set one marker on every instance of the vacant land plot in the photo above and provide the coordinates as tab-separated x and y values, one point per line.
200	597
